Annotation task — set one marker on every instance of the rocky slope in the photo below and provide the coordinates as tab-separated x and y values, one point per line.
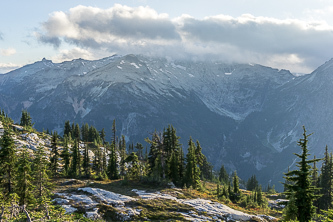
247	117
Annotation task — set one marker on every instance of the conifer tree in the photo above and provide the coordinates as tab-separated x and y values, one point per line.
174	168
67	129
86	162
259	197
85	133
102	135
65	155
302	189
75	157
157	157
76	132
26	119
133	171
181	168
40	173
325	201
198	154
54	154
79	159
235	180
252	183
192	171
24	187
139	148
112	167
223	175
123	154
7	163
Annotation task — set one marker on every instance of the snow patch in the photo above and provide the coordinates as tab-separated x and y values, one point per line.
178	66
119	67
135	65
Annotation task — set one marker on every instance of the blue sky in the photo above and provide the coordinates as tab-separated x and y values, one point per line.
295	35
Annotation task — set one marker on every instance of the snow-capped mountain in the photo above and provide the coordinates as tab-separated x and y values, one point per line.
246	116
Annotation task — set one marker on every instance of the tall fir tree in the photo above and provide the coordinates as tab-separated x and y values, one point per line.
26	119
85	132
86	162
75	157
112	167
7	163
123	155
54	158
252	183
102	135
67	129
301	186
192	171
112	171
40	173
235	183
223	176
325	183
65	155
24	187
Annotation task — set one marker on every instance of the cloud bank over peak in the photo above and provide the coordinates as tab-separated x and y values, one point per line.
291	44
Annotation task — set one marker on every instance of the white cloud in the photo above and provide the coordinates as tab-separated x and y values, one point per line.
8	52
67	55
247	38
7	67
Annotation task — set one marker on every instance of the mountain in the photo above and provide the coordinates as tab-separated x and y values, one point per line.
246	116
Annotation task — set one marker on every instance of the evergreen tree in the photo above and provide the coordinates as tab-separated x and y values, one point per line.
139	148
76	132
24	187
123	154
65	155
192	171
223	175
157	157
302	189
79	163
75	157
235	180
102	135
206	170
40	173
67	129
133	171
198	153
290	211
259	197
54	154
85	133
252	183
181	168
174	168
113	173
7	163
325	201
26	119
86	162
